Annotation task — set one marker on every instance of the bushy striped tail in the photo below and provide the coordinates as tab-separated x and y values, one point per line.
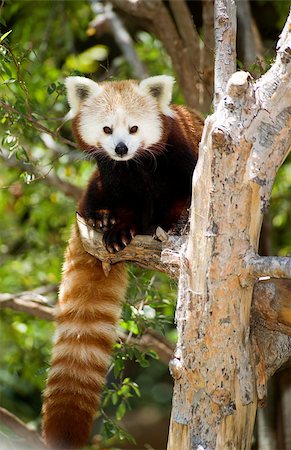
89	308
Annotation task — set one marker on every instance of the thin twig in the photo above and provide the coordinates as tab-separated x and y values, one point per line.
49	177
37	125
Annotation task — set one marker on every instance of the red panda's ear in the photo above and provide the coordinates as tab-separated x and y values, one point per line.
78	90
159	87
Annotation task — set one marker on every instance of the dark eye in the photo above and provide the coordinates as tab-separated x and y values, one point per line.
133	130
107	130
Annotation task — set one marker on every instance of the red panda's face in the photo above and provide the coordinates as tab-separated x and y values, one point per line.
120	119
118	130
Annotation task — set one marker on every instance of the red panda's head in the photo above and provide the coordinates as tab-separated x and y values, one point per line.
120	119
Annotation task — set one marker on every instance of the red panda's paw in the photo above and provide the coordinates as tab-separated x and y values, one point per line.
118	238
102	220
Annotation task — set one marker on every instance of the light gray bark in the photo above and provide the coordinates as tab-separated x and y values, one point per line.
217	379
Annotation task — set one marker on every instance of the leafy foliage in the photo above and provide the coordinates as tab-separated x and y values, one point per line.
42	43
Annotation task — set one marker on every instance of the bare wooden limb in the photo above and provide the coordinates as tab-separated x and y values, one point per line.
30	302
161	22
272	121
123	39
49	177
31	438
35	304
144	250
153	341
271	306
225	46
271	329
269	266
191	45
271	299
121	35
273	349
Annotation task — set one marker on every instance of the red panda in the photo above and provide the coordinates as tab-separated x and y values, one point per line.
146	151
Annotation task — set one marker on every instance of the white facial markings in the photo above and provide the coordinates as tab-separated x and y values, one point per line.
94	117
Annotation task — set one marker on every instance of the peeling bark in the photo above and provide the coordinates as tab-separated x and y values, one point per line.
218	375
225	45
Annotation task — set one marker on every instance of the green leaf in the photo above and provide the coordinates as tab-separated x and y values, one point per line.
121	410
9	81
152	354
51	88
143	362
109	429
135	388
7	70
127	312
4	36
118	366
114	398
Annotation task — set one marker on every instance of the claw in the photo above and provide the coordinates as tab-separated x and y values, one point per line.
91	223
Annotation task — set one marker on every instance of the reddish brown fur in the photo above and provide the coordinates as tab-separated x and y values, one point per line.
89	302
73	390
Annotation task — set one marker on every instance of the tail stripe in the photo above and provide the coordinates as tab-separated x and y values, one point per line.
78	329
85	400
89	307
100	341
82	353
89	316
83	382
73	364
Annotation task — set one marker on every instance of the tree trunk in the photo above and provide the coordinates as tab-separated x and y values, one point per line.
219	365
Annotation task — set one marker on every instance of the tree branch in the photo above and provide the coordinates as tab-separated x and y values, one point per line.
160	20
30	302
144	250
121	36
271	328
271	124
37	125
152	341
269	266
271	298
225	46
30	437
273	349
271	305
35	304
49	177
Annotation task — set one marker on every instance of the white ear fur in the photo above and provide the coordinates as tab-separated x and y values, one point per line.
160	87
78	89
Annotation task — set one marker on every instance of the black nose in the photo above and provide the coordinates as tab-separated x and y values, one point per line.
121	149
